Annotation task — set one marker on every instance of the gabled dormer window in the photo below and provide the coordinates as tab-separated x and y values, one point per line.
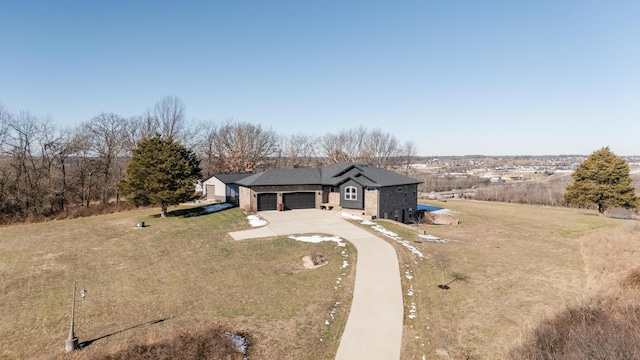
351	193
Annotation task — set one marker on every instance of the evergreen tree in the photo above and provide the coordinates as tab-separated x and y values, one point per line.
602	180
161	172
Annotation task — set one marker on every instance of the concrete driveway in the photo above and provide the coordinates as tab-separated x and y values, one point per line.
374	326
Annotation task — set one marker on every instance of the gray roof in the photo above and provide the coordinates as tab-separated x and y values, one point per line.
366	175
283	177
230	178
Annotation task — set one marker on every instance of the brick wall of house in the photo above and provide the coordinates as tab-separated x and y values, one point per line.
393	199
371	202
247	201
331	197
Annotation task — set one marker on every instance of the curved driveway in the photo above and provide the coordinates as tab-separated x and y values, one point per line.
374	326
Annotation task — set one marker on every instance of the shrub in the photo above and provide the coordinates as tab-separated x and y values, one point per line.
597	329
211	342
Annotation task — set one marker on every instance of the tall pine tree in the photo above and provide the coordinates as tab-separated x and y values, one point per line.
161	172
603	180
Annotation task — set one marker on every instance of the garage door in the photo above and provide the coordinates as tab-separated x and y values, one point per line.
267	202
300	200
211	192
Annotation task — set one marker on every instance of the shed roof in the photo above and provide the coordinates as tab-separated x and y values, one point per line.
230	178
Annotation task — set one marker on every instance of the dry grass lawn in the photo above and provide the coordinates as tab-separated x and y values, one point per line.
522	262
148	285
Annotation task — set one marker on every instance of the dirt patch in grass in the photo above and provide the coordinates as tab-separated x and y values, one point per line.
310	264
148	285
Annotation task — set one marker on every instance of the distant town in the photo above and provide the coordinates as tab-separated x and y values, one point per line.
461	176
507	167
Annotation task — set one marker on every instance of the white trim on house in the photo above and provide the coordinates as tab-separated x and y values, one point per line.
351	193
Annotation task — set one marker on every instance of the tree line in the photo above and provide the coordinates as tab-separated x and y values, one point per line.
47	170
549	192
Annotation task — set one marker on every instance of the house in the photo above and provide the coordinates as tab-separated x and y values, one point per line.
222	187
377	192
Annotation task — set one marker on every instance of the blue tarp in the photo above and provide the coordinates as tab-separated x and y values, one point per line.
429	208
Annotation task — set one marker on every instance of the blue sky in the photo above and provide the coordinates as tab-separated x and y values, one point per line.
456	77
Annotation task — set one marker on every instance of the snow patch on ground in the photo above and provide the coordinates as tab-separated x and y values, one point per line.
432	238
388	233
332	315
413	312
215	208
399	240
255	221
408	275
345	263
318	238
349	216
384	231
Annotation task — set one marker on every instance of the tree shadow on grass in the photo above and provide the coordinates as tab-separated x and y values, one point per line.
193	212
89	342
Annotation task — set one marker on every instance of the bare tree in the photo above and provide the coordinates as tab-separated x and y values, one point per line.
86	166
22	144
62	149
139	127
244	147
298	151
383	147
360	144
207	147
4	125
30	168
106	140
408	153
332	148
355	143
170	114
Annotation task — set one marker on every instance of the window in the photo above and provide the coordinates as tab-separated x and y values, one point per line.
351	193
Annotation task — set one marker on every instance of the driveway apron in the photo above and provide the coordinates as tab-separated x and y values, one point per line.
374	325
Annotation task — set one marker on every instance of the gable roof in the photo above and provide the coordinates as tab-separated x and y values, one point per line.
298	176
365	174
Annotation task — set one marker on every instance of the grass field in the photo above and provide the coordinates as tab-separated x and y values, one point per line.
522	263
150	284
